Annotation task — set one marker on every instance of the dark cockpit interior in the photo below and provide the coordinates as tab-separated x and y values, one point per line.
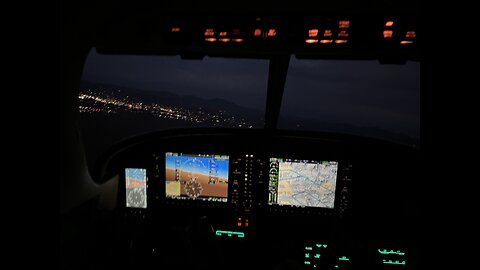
223	197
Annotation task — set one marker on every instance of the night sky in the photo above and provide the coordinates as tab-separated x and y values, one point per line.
362	93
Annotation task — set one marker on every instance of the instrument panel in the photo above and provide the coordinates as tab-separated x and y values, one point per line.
280	195
242	183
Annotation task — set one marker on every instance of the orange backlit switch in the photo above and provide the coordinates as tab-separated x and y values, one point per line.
343	24
312	32
388	34
343	33
209	32
410	34
272	32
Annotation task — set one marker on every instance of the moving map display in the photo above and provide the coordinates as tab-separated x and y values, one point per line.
136	187
302	182
196	177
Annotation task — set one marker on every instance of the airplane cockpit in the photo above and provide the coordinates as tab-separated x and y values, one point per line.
245	138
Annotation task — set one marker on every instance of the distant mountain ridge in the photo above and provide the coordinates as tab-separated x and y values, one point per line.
168	98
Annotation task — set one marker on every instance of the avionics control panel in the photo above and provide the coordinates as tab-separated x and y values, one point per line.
271	198
242	183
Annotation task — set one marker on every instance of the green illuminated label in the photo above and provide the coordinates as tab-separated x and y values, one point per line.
398	252
394	262
230	233
344	258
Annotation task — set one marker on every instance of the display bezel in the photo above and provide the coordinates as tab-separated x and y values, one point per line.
274	182
140	190
203	180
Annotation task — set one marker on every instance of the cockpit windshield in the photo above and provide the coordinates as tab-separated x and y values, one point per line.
125	95
356	97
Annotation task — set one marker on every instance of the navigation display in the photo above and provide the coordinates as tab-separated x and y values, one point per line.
196	177
136	187
302	182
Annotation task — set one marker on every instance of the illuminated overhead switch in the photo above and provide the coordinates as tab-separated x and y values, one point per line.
387	34
406	42
257	32
311	41
237	36
271	32
343	33
343	24
327	33
410	34
389	24
341	41
312	32
246	222
209	32
324	41
175	29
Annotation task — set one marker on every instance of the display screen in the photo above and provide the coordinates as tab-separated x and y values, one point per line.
136	187
196	177
302	182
